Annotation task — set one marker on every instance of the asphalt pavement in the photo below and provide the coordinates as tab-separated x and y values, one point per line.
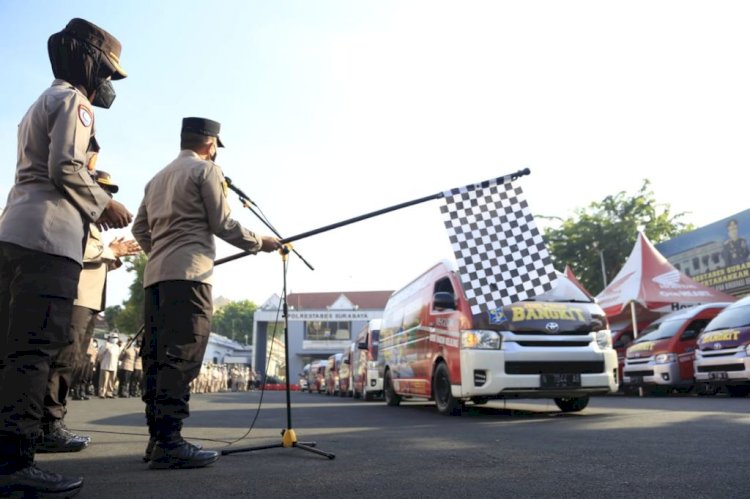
617	447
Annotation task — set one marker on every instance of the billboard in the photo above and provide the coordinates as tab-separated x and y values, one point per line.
716	255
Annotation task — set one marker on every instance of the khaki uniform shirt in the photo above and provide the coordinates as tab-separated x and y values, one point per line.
127	359
98	259
183	207
54	197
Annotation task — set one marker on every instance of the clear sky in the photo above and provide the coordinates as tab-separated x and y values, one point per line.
332	109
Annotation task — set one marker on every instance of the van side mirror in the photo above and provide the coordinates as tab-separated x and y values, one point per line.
444	300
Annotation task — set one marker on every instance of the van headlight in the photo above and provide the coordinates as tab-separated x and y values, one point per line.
604	339
481	339
665	358
747	349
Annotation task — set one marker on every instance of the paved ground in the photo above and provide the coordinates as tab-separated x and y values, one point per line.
617	447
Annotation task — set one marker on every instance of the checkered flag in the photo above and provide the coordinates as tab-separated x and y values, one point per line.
500	253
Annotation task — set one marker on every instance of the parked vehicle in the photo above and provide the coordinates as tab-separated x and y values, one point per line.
557	345
662	358
367	383
622	338
303	376
722	359
332	374
316	378
345	371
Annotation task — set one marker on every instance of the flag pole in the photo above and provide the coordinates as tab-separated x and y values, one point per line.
303	235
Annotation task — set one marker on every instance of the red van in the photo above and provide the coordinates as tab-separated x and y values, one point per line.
661	359
366	380
556	345
345	371
316	376
332	373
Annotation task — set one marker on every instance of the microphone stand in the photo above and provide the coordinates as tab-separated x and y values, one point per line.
288	436
248	203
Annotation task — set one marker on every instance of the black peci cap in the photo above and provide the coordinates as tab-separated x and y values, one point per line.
93	35
203	126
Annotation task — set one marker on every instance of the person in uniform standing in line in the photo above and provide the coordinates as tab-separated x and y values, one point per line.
183	208
109	356
125	371
42	232
137	378
69	362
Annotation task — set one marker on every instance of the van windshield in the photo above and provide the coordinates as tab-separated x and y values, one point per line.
660	331
563	291
730	317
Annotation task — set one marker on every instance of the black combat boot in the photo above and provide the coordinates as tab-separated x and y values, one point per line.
171	451
19	474
152	443
57	438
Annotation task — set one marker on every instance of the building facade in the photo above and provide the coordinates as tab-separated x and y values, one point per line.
319	325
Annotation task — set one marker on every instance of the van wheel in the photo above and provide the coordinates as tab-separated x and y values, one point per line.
391	398
573	404
446	403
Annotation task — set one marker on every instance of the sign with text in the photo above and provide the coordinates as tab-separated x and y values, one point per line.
716	255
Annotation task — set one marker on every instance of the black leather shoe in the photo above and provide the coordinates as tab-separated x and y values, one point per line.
180	455
152	443
60	439
31	481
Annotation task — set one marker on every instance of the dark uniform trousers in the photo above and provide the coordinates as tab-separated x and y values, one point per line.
36	299
82	325
67	362
177	326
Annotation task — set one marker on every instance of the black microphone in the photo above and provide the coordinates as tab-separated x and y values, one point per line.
238	191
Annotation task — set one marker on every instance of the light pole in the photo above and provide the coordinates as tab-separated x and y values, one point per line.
604	269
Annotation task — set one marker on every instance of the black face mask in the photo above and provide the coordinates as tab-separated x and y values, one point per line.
105	95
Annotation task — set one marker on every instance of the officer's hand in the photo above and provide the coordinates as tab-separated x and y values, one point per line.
269	244
114	216
121	247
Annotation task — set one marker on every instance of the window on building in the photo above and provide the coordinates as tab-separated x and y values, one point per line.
327	330
696	263
715	257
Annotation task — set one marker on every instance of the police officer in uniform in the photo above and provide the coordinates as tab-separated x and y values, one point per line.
42	233
734	250
98	259
183	208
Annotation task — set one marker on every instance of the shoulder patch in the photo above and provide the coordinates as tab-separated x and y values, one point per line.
85	115
225	188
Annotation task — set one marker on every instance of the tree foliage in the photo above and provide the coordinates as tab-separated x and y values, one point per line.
608	229
235	320
129	318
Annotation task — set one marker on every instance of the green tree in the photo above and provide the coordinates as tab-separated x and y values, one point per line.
235	320
130	317
608	229
111	314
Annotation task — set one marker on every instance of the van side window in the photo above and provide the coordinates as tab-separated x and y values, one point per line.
693	329
444	296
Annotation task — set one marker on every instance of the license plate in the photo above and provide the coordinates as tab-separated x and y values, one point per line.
636	380
718	375
567	380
